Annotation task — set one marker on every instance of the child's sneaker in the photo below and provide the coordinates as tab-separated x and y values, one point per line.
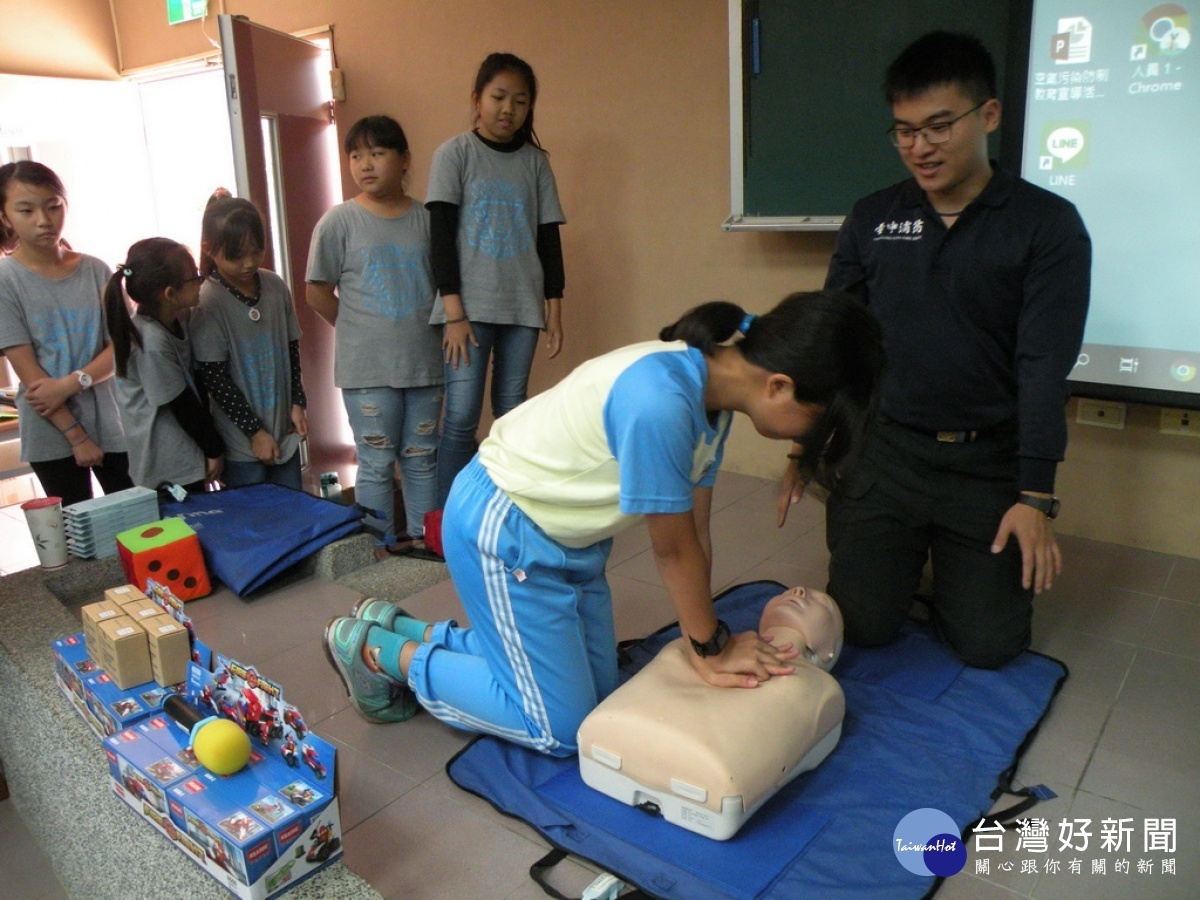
378	612
375	696
391	617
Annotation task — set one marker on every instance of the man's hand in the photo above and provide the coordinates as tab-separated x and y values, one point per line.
1041	560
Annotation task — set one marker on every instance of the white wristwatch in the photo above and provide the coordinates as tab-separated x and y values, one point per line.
85	380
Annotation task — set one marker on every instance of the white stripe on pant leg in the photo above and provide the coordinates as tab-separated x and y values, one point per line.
500	604
453	716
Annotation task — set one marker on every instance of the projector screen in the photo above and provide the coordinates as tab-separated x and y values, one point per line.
1112	123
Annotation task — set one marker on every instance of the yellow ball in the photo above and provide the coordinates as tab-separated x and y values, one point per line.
222	747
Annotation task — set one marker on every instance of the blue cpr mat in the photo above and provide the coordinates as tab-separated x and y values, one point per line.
921	730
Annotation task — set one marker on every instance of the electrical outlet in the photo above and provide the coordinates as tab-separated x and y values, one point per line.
1102	413
1180	421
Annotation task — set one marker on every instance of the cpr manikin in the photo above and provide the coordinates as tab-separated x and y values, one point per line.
707	758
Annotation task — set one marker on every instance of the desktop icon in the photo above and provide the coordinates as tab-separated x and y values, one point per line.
1072	43
1166	29
1183	370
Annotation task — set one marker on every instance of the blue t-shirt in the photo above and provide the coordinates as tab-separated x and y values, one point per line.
624	435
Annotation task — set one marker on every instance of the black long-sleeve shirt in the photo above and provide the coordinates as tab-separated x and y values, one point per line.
983	321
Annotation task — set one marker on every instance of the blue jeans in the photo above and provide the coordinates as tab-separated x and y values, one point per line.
238	473
511	348
391	424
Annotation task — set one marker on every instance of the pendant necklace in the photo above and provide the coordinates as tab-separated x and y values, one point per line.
250	302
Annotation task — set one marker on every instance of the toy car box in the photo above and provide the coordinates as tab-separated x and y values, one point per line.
72	665
115	708
79	674
264	828
142	769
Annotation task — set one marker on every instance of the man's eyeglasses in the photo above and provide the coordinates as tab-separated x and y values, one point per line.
937	133
196	277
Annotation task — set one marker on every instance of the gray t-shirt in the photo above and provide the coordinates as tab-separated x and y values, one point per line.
157	372
384	281
63	319
502	199
257	353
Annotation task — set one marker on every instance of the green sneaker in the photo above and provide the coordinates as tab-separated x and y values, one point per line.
378	612
375	696
390	616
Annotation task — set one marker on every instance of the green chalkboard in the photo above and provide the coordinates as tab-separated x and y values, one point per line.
809	119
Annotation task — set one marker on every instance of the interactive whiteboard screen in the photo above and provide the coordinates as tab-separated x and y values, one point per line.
1112	123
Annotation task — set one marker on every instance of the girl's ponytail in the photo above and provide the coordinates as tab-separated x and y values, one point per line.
706	326
120	325
151	266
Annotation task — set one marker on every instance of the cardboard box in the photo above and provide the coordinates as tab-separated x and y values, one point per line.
142	609
170	649
115	709
92	615
123	651
126	593
258	831
72	666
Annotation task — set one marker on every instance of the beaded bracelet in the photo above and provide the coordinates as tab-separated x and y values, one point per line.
456	321
74	424
82	440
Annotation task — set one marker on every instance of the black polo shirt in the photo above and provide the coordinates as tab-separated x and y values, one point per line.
982	322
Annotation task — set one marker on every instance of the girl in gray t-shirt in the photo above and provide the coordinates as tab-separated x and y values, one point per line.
497	258
171	434
52	331
246	343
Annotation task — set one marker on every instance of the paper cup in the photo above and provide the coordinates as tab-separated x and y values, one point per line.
45	518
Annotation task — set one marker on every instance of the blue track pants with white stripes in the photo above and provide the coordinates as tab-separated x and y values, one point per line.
541	650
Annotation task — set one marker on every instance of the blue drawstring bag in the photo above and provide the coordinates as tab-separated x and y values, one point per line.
251	534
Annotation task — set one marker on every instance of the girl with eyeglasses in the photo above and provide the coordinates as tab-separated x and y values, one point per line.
171	434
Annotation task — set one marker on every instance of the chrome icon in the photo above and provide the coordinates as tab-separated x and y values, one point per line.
1182	370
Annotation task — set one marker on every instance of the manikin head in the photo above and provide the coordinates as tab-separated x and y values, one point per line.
808	618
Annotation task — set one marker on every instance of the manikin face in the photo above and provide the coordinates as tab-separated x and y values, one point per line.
812	614
502	107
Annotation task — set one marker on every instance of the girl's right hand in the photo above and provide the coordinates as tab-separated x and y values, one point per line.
87	454
455	340
264	448
746	662
213	468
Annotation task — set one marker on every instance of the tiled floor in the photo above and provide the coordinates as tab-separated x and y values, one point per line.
1122	741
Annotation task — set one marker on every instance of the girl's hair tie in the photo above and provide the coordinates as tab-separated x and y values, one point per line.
124	270
744	328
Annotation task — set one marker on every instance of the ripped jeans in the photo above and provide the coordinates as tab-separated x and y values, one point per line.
390	425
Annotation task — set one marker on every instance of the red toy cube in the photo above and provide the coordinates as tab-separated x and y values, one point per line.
168	552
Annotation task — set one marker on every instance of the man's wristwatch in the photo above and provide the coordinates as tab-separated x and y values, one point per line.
85	380
1047	505
715	644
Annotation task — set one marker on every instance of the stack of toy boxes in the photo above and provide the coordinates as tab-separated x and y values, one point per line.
128	639
258	831
71	666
